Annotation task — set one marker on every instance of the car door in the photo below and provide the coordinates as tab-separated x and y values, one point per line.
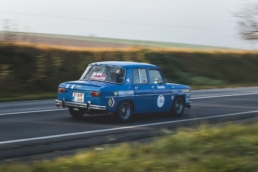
142	91
161	99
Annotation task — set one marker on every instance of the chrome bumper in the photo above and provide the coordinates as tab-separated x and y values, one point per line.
88	106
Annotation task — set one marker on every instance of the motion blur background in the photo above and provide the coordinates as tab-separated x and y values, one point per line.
198	43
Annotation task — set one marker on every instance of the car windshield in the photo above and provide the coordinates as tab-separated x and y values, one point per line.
104	73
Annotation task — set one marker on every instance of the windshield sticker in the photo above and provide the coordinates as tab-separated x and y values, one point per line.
128	80
98	76
126	93
160	101
111	102
161	87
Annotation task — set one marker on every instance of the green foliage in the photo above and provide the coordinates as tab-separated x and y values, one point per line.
228	148
32	70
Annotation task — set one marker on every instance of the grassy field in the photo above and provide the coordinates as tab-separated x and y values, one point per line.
126	42
229	148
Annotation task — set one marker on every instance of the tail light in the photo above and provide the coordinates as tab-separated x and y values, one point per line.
93	93
61	90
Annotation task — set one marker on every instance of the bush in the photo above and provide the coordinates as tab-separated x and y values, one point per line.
34	69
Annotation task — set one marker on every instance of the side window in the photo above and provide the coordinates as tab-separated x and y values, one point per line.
140	76
155	77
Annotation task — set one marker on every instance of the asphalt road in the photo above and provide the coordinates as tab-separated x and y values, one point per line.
35	127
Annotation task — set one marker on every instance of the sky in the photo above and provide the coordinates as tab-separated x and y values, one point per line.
204	22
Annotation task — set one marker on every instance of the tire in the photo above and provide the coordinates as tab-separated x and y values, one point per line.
124	111
178	107
75	114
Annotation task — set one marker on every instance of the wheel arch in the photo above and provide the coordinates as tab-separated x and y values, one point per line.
180	95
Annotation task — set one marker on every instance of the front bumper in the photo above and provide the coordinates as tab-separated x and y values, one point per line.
189	104
88	106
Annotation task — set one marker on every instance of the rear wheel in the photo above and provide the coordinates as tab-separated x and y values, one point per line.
75	114
178	107
124	111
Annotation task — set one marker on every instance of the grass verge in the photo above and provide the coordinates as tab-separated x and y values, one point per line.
227	148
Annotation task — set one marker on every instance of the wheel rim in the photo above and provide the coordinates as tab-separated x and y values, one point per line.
179	105
125	110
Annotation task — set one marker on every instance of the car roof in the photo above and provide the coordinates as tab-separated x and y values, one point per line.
124	64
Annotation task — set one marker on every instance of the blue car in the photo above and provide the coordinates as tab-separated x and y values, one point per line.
123	89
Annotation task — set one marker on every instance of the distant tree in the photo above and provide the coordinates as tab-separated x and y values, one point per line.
9	30
248	22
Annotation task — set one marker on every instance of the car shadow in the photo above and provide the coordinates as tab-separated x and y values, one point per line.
136	119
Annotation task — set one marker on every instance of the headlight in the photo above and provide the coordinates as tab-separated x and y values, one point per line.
185	91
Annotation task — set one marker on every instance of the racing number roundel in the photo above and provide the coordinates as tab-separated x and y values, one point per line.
160	101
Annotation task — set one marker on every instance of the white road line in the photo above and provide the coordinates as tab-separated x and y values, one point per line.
36	111
122	128
192	98
227	95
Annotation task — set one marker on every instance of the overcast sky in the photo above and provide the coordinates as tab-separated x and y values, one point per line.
206	22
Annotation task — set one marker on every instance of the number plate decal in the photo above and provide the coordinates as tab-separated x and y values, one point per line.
160	101
78	97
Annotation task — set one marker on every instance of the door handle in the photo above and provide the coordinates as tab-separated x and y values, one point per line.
152	86
136	88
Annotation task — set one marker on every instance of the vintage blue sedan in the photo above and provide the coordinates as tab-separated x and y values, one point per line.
123	89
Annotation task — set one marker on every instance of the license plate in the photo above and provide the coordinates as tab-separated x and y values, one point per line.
78	97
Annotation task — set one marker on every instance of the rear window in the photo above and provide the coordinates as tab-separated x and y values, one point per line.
104	73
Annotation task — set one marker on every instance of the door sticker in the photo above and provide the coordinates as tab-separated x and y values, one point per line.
160	101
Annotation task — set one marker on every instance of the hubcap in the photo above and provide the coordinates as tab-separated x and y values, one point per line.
125	110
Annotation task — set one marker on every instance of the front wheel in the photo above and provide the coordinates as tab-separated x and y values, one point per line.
178	107
75	114
124	111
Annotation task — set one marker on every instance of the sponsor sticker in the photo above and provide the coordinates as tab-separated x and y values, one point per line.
115	93
125	93
98	76
160	86
160	101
